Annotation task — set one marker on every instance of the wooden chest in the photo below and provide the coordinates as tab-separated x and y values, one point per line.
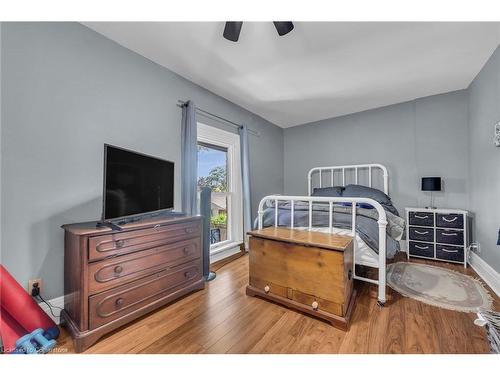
307	271
112	277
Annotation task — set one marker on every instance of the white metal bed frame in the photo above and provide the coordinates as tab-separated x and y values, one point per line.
382	217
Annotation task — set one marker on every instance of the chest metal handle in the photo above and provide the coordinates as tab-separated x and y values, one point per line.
120	243
450	220
118	269
450	251
119	302
448	234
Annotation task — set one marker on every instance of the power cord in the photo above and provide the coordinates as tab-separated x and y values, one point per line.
50	306
35	293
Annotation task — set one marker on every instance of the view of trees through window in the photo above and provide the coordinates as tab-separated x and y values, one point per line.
212	173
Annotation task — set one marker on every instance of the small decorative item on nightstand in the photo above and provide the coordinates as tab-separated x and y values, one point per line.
431	184
439	234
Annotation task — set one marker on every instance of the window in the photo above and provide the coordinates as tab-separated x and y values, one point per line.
219	169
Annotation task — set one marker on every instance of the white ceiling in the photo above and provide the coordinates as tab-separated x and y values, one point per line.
320	69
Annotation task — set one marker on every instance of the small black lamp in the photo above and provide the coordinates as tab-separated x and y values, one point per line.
431	184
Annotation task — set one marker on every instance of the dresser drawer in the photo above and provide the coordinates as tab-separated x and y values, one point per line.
116	303
447	252
421	218
450	220
450	236
126	242
421	249
421	234
113	272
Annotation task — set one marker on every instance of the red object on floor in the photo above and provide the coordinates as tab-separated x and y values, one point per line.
23	308
10	331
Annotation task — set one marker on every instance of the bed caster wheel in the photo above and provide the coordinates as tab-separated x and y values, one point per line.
266	289
380	304
314	305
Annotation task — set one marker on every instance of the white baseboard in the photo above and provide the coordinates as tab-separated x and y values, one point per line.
224	254
57	303
484	270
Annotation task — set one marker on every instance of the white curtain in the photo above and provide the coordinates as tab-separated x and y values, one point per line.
245	177
189	160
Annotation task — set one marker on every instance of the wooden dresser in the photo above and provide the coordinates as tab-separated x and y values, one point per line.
112	277
304	270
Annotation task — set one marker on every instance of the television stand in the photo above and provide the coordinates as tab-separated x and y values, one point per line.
114	277
108	224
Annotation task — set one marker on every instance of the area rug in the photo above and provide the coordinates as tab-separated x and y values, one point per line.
438	286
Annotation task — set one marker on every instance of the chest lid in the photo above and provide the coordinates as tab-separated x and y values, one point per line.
329	241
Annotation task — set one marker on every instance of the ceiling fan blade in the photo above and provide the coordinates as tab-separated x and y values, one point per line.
232	30
283	28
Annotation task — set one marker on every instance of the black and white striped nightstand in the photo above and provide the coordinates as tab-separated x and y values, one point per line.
439	234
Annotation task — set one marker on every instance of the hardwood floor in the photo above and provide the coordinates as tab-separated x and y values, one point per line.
222	319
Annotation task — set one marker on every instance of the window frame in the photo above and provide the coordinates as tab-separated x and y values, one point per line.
230	141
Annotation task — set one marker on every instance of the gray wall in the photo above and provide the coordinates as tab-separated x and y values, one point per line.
484	112
424	137
66	90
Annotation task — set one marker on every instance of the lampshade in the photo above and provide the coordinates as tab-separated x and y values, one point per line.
431	183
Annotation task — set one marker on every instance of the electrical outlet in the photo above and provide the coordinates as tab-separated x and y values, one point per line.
35	281
476	247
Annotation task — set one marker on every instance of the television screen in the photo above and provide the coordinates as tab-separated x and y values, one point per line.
135	183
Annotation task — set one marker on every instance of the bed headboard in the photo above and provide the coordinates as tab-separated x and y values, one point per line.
345	171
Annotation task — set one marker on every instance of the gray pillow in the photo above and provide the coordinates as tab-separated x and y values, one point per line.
331	191
358	191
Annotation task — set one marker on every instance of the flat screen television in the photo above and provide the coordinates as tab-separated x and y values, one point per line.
135	183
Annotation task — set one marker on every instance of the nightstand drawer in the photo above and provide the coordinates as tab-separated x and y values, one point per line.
450	220
421	218
447	252
421	249
454	237
421	234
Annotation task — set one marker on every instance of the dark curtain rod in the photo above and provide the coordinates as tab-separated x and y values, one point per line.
181	103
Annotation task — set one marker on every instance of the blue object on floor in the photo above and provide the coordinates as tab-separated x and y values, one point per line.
25	345
35	342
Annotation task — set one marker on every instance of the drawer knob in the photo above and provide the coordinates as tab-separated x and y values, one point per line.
267	289
185	250
120	243
314	305
189	230
118	269
188	274
119	302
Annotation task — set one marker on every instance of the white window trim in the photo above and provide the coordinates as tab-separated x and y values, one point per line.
230	141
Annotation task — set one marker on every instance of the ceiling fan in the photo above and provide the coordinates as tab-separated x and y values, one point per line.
232	29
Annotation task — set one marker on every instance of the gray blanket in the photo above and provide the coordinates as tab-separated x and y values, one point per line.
366	222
